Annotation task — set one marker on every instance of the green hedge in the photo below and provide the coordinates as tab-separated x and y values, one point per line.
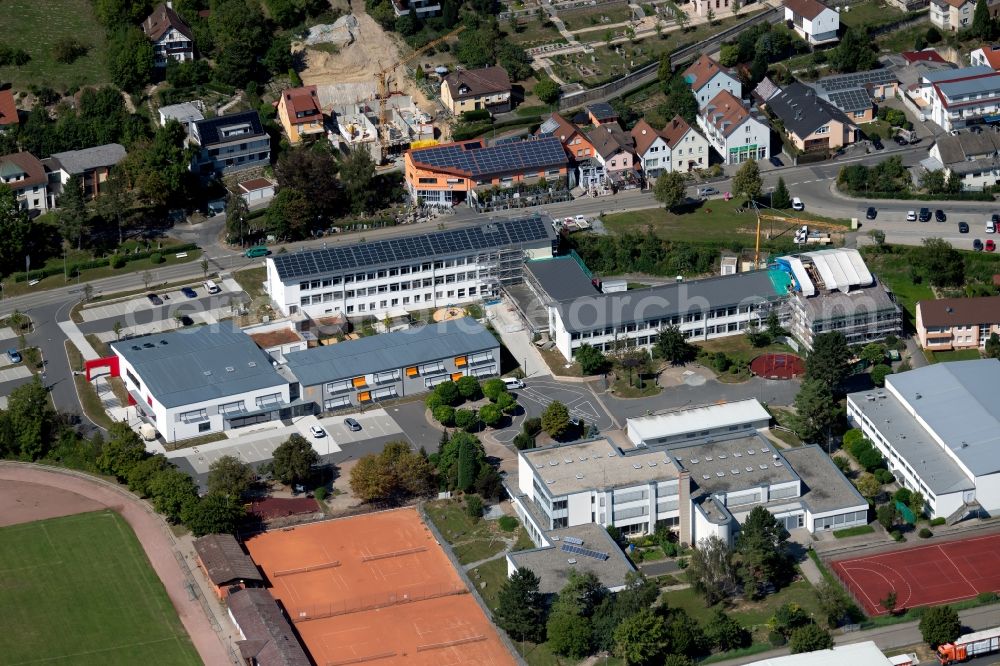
917	196
74	268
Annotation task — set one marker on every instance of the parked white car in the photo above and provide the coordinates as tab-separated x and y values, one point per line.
797	204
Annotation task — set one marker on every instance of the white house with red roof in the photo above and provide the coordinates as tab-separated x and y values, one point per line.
735	133
957	98
813	21
172	38
676	147
707	79
8	111
986	55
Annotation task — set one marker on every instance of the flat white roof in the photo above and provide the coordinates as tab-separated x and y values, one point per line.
855	654
573	468
698	418
841	268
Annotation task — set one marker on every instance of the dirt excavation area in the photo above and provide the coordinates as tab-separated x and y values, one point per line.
358	50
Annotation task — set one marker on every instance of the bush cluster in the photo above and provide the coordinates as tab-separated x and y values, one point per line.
861	448
115	261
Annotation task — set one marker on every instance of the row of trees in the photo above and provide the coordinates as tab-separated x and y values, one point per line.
448	395
644	253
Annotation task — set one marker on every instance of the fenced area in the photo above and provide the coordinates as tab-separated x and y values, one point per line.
778	366
373	587
924	576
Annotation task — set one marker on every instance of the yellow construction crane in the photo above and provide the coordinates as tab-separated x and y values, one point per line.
382	77
796	221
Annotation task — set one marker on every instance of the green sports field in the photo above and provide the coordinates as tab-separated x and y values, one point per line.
79	590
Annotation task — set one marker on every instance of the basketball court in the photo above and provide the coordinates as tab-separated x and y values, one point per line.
929	575
375	588
778	366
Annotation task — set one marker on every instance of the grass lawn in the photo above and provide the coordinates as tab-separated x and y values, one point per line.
532	32
89	399
869	15
470	540
80	590
955	355
252	281
493	573
880	127
36	27
853	531
894	269
898	41
595	17
557	363
622	389
712	221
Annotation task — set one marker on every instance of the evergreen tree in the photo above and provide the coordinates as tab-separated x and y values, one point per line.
827	363
520	607
982	24
780	197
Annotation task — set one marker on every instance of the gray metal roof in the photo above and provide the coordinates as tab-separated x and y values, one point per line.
199	364
958	403
978	86
730	466
532	231
563	278
952	74
389	351
588	313
76	162
184	112
916	446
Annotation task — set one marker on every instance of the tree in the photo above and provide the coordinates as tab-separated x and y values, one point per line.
237	215
873	353
726	633
810	638
677	660
788	618
878	237
815	411
142	473
827	363
939	263
72	212
887	515
686	635
466	419
213	514
115	201
916	503
773	324
680	100
447	392
682	19
490	415
230	476
392	476
547	91
737	5
555	419
759	553
520	608
121	452
172	491
889	602
468	387
670	189
568	633
156	170
710	15
495	387
290	215
313	173
993	346
445	415
879	373
780	197
130	58
14	231
833	603
356	173
982	23
710	570
293	460
640	638
747	181
868	486
940	624
673	347
31	420
639	594
855	52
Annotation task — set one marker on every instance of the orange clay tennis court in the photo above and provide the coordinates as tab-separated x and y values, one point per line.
376	589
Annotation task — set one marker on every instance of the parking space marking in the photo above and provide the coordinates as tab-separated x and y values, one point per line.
15	372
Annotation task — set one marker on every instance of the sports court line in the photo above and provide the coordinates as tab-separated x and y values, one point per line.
958	569
854	584
102	650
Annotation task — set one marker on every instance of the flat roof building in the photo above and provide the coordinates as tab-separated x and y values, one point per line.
939	430
398	275
855	654
678	426
393	365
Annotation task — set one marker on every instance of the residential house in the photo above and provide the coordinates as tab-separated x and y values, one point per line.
25	175
856	94
300	114
677	147
733	131
945	324
8	111
230	143
718	7
601	113
961	97
925	55
813	21
811	123
423	8
974	158
92	165
487	88
952	15
707	79
613	147
575	142
186	113
764	91
988	55
171	36
449	173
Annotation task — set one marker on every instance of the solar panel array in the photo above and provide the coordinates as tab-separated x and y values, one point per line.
857	79
476	161
586	552
495	235
573	540
855	99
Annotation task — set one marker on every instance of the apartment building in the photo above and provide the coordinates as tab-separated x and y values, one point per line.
811	123
24	174
733	131
228	144
462	265
707	79
357	373
974	158
957	323
958	98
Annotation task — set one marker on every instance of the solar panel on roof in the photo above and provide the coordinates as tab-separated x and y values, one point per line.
856	79
855	99
573	540
577	550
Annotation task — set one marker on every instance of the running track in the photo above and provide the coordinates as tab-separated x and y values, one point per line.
928	575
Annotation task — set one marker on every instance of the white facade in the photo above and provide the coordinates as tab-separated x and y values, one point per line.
656	159
750	139
721	81
962	97
690	152
821	29
30	197
672	428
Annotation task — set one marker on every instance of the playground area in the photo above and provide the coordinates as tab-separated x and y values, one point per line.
449	313
778	366
376	587
924	576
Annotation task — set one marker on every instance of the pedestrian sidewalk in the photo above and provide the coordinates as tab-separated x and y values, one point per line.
77	338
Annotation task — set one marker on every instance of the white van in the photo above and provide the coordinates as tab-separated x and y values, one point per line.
797	204
513	383
991	227
211	287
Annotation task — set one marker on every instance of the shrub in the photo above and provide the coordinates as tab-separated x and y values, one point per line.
871	460
449	393
156	258
468	388
494	388
776	638
682	562
842	463
937	521
506	403
508	523
896	534
987	597
474	506
320	493
884	476
466	419
532	426
445	415
925	533
523	441
433	401
118	261
903	496
490	415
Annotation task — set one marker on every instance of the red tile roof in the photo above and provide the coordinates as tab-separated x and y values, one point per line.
302	104
644	135
927	55
725	112
565	128
809	9
161	20
675	131
280	507
992	55
701	72
8	110
24	165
